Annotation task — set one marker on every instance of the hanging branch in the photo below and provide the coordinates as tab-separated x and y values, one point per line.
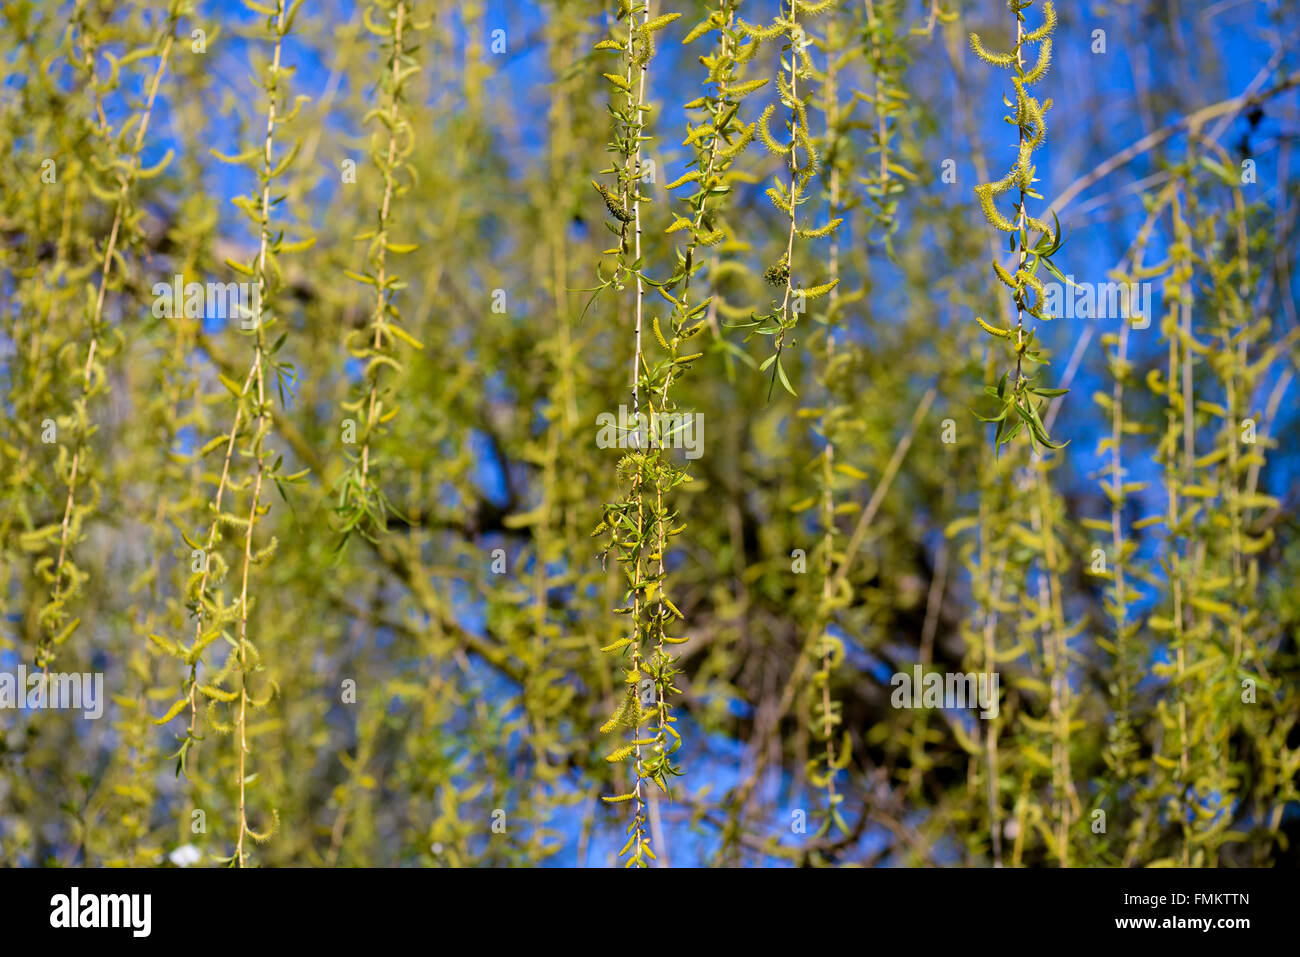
1019	396
886	176
788	195
362	505
253	420
824	713
1122	744
631	522
64	576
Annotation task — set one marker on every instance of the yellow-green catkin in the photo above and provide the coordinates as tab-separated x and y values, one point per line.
362	505
1020	400
800	161
633	522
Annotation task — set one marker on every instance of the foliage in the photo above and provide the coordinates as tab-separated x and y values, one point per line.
331	548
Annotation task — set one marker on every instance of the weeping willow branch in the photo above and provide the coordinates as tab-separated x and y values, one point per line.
254	420
788	196
363	507
65	575
1020	407
631	522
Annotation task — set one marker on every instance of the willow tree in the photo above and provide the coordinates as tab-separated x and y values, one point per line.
843	275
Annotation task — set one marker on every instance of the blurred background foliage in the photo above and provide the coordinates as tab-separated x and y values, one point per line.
435	688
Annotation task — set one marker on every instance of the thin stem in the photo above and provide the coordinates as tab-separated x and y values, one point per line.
262	426
126	180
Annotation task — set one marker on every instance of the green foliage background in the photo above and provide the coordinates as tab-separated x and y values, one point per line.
335	556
